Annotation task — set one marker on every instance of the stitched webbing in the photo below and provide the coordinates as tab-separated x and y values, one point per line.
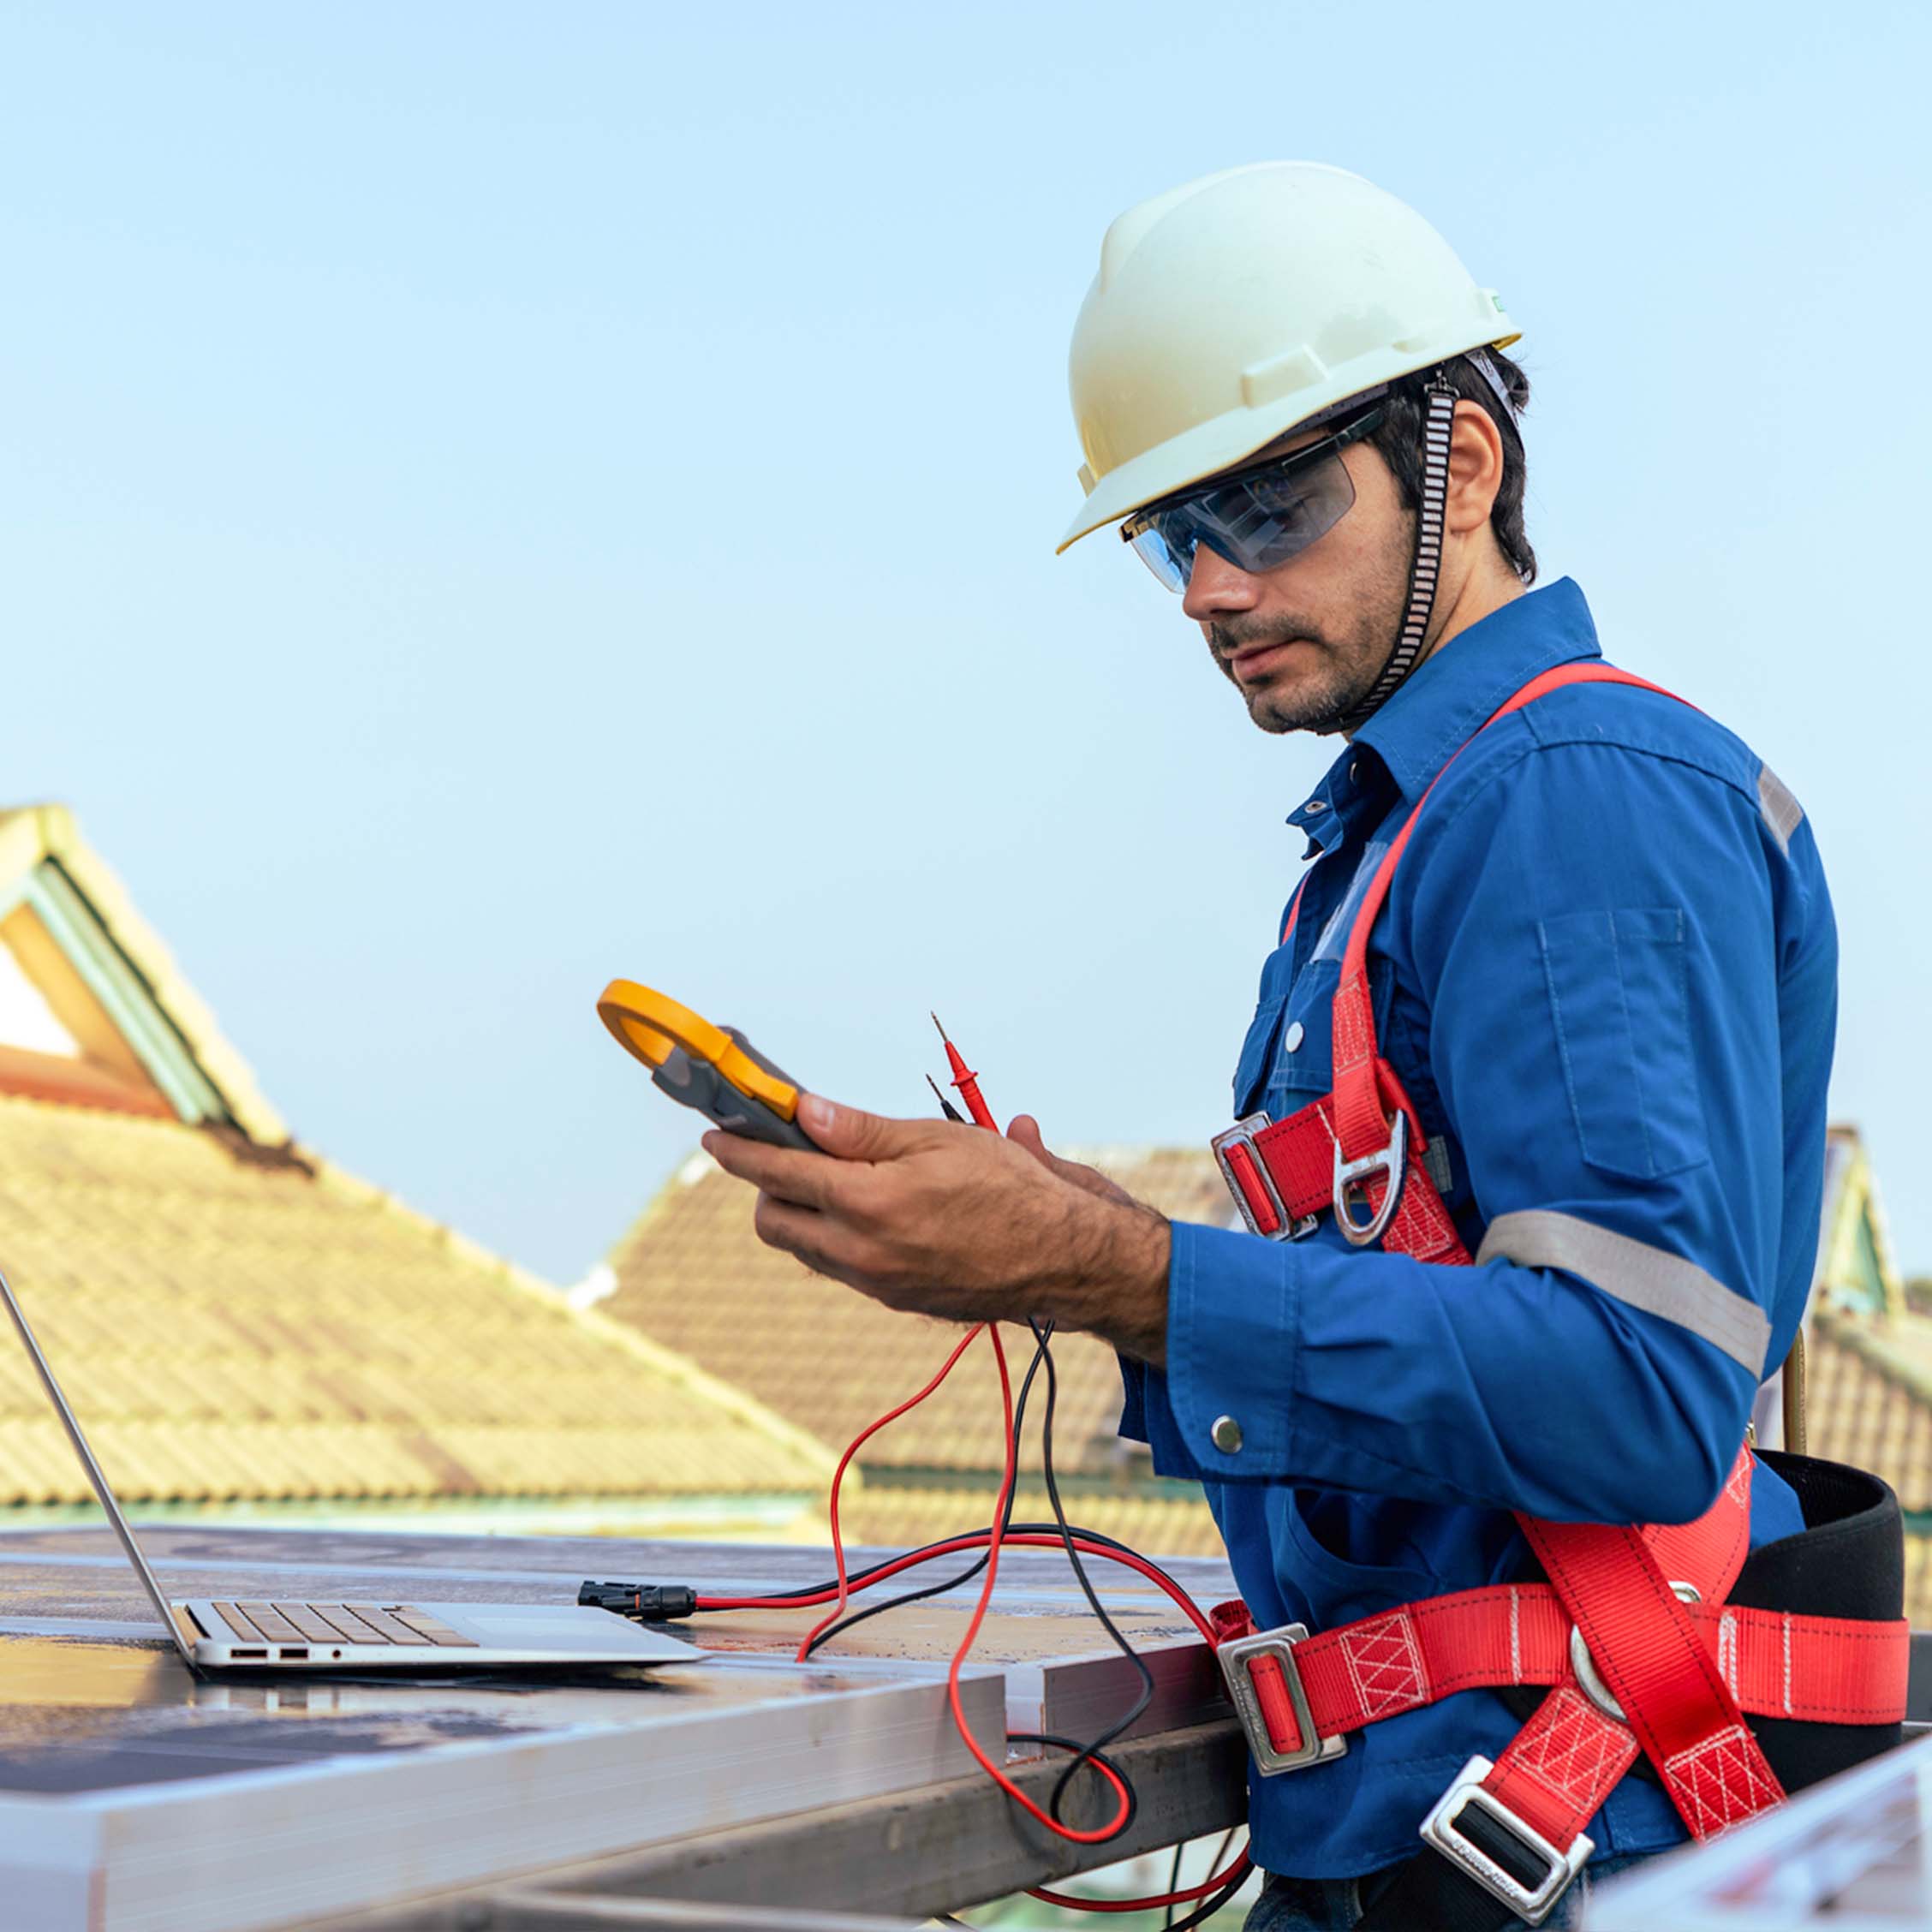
1359	1121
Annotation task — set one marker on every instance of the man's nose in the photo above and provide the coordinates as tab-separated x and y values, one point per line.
1217	587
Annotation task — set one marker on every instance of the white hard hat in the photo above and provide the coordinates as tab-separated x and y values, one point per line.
1229	310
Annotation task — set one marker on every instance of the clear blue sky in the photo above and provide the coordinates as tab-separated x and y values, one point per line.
494	497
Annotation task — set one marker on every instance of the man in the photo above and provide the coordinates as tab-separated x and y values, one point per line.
1594	1017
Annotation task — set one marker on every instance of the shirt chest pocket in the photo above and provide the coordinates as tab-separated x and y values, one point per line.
1620	1010
1285	1060
1255	1050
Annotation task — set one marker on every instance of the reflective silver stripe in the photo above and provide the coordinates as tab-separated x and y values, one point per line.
1782	813
1646	1278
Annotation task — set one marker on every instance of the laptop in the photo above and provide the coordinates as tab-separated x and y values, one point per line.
215	1634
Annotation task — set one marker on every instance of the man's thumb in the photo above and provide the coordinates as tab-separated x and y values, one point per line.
847	1132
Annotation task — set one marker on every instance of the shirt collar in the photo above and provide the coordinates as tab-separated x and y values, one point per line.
1449	697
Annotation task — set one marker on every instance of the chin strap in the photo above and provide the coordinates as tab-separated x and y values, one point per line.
1427	565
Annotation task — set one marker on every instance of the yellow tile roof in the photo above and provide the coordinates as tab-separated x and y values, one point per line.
902	1519
1864	1403
693	1275
226	1327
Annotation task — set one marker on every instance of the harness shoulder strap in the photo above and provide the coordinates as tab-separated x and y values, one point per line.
1360	1124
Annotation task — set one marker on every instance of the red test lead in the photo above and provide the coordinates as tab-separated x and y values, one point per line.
967	1082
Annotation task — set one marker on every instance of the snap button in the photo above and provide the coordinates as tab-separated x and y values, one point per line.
1292	1041
1227	1433
1313	806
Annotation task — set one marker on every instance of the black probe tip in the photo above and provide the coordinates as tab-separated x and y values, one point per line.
946	1107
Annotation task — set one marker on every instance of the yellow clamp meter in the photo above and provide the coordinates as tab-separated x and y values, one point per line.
715	1070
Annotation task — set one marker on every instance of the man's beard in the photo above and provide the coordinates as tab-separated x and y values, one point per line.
1327	696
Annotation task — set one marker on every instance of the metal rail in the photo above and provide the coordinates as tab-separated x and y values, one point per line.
901	1857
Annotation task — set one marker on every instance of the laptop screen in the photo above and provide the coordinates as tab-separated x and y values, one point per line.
94	1475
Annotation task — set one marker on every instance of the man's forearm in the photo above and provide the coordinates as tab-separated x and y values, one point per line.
1117	1287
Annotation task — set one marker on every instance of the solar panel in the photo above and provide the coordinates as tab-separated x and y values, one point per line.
1854	1853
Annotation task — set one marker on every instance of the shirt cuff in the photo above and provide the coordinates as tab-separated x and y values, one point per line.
1147	1416
1233	1333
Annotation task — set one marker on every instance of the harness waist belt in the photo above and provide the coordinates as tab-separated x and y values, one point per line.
1825	1670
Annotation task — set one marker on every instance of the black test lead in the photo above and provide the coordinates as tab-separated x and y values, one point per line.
946	1107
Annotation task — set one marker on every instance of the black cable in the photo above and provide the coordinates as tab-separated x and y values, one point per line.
965	1577
1087	1755
628	1600
854	1578
1213	1865
1174	1885
1205	1910
1043	1336
1008	1527
1207	1907
1042	1356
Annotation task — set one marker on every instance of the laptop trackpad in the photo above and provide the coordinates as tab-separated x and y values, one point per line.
562	1627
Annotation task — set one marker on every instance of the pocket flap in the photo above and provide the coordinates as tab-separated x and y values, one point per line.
1620	1008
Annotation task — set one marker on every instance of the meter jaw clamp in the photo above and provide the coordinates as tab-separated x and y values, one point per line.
714	1068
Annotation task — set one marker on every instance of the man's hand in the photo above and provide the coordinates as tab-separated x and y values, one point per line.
946	1220
1024	1130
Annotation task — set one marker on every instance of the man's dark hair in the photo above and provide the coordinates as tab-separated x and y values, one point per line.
1399	437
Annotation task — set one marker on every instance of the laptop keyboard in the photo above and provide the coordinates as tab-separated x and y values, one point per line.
341	1623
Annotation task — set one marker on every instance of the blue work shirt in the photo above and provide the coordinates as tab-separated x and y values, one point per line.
1607	975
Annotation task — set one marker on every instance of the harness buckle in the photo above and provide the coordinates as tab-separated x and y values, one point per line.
1392	1160
1252	1185
1274	1646
1537	1873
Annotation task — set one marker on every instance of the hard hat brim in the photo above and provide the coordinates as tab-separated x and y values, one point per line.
1226	440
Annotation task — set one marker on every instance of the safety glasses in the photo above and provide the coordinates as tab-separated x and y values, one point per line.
1258	518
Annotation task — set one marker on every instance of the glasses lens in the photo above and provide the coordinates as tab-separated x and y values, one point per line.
1257	524
1283	515
1171	565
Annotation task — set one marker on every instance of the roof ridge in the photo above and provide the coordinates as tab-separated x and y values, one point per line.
31	835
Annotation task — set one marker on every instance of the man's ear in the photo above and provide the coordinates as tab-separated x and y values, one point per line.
1476	468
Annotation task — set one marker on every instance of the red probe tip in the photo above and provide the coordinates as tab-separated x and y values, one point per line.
935	1019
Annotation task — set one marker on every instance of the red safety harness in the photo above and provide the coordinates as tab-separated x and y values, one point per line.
1632	1630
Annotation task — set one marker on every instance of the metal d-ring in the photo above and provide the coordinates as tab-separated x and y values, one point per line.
1590	1679
1392	1160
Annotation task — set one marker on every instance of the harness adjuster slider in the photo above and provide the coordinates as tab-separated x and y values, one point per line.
1267	1652
1251	1183
1392	1160
1446	1830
